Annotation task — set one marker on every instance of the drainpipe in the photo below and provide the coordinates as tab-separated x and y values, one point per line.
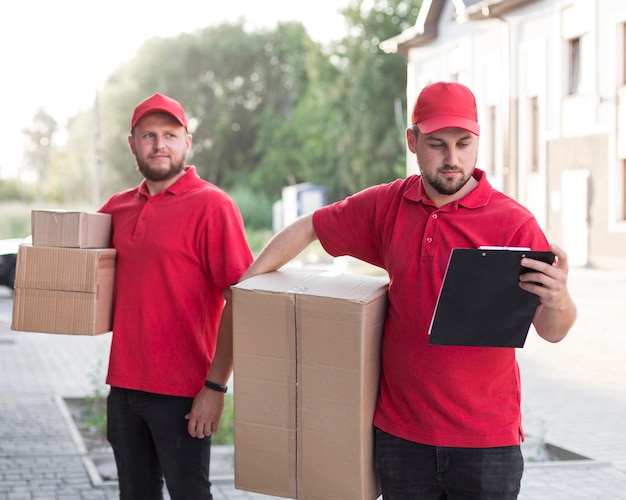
509	112
509	116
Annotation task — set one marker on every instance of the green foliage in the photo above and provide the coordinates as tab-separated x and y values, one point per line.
95	416
95	412
371	89
226	434
15	220
257	239
39	137
255	207
11	190
80	171
267	108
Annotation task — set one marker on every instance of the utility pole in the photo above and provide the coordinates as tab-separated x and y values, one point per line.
97	149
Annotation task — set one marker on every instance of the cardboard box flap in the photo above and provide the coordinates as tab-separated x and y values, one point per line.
316	282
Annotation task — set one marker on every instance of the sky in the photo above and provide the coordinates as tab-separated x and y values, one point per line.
57	54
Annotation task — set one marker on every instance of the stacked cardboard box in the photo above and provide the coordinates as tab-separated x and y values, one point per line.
64	280
57	228
307	358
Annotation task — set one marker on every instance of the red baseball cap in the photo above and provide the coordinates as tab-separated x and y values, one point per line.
445	105
159	103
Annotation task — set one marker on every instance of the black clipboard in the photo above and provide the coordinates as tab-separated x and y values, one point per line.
480	302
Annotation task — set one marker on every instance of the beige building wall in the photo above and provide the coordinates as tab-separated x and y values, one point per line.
559	151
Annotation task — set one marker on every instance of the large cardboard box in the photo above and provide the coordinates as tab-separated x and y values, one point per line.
63	290
59	228
306	376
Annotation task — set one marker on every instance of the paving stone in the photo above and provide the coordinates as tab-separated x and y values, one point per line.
573	396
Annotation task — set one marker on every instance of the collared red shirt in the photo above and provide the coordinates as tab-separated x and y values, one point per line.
435	395
177	252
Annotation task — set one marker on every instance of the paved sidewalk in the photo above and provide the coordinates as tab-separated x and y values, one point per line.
574	392
574	397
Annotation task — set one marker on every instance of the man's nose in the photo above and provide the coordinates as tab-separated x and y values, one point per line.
452	156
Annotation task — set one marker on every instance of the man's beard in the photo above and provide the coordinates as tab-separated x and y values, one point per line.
160	175
445	186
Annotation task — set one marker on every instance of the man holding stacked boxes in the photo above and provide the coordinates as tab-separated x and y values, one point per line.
180	245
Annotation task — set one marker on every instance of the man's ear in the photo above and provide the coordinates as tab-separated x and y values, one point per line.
410	140
131	144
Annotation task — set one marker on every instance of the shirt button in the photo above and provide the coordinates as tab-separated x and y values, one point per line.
429	240
435	216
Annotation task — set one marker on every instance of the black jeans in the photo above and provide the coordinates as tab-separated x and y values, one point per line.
148	433
413	471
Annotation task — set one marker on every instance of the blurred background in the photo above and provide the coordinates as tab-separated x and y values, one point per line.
278	94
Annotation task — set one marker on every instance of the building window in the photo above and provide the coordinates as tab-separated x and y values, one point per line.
574	64
534	133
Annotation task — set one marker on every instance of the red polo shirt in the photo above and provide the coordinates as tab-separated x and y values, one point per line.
177	252
435	395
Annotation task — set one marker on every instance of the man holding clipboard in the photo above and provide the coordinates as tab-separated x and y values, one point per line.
448	420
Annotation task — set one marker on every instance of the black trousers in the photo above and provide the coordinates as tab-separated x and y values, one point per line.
148	434
413	471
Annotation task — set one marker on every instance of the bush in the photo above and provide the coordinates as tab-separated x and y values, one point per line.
90	415
15	220
256	208
11	190
257	239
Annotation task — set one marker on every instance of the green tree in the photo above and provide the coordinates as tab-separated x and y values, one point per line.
10	190
266	108
285	122
78	170
343	132
38	147
370	90
226	78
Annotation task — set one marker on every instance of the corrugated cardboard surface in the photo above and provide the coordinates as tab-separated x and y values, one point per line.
58	228
63	290
307	347
70	269
338	377
265	398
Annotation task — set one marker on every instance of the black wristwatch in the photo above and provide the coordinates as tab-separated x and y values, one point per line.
215	387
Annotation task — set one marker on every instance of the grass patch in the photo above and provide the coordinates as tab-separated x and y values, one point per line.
227	425
90	416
